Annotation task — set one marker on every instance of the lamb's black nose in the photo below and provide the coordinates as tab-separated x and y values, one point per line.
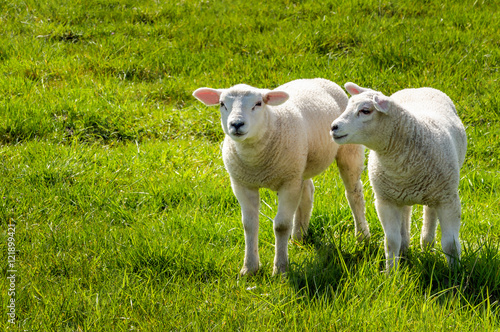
335	127
237	124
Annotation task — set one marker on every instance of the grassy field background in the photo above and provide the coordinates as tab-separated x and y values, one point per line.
112	173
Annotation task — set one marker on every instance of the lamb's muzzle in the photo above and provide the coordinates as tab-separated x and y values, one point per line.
336	133
235	128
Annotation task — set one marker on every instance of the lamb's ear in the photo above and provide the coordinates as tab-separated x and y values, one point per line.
275	98
354	89
382	103
207	96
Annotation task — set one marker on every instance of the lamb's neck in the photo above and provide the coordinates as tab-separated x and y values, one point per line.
253	150
402	138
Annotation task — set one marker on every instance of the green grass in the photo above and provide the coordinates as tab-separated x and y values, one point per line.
112	172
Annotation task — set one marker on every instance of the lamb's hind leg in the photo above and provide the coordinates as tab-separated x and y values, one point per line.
350	161
428	228
449	219
405	229
288	202
303	213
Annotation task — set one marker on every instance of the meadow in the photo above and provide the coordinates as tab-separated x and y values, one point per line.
111	172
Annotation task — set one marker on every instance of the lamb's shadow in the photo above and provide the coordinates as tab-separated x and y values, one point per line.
337	255
328	270
476	280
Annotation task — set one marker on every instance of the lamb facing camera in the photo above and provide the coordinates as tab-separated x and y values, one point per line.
418	146
279	139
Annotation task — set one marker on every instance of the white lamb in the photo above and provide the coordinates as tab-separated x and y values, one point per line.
418	145
279	140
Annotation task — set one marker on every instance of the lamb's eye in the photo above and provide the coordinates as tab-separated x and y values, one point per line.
365	111
257	104
222	104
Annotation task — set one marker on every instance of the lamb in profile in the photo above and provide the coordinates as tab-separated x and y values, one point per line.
418	146
279	139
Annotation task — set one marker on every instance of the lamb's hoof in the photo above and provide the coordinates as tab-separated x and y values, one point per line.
280	270
299	235
248	271
453	263
427	245
298	238
363	237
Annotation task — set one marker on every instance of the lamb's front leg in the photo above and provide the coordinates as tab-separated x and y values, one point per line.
288	201
391	216
249	201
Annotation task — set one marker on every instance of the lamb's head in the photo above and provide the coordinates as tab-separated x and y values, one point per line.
243	108
362	117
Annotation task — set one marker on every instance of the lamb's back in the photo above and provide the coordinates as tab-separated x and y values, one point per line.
436	111
315	104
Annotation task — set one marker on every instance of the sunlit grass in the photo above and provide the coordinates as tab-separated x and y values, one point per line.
113	175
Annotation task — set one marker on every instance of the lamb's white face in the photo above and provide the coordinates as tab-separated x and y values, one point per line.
243	108
241	113
360	119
